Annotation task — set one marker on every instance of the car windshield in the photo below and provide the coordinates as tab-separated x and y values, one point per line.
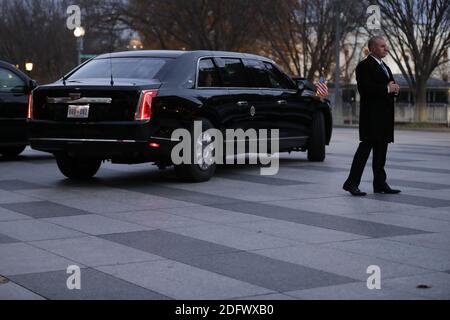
122	68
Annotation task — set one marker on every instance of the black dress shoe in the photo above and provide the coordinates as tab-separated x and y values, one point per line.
386	190
354	191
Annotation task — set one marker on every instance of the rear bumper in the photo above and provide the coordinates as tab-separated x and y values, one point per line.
124	142
13	132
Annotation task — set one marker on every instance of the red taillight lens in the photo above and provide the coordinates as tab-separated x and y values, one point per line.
145	106
30	106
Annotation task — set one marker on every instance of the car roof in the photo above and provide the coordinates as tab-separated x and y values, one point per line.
12	68
177	53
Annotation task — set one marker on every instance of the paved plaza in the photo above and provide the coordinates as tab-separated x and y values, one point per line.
138	233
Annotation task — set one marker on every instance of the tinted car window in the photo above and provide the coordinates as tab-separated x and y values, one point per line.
122	68
10	82
277	79
208	76
232	73
259	76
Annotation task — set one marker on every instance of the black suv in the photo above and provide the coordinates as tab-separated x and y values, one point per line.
124	107
15	89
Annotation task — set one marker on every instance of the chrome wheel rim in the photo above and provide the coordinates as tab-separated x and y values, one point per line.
204	151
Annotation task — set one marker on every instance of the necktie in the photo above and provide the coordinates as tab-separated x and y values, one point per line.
384	69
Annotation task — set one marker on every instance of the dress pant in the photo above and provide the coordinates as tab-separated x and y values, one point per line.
378	163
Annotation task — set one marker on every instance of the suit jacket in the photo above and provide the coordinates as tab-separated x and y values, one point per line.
376	117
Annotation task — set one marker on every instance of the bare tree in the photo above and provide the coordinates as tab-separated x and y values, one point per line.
301	33
419	34
34	31
194	24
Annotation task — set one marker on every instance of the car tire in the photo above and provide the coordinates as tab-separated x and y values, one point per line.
316	144
11	152
194	172
76	168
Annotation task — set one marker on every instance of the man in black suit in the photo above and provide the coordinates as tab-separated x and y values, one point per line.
377	89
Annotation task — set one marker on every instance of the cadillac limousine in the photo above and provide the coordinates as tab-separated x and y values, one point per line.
123	107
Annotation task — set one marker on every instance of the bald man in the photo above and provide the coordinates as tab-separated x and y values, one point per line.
377	89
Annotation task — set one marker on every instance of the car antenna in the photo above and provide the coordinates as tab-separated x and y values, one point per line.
111	66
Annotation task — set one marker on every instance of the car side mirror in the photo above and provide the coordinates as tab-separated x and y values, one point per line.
300	85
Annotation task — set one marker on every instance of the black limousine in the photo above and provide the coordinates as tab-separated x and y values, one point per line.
15	90
123	107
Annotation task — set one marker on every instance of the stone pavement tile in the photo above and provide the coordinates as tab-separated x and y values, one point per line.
12	185
213	215
233	237
12	291
422	223
21	258
433	240
167	244
339	262
139	200
411	200
439	282
178	194
262	271
344	204
51	194
430	213
418	184
95	285
353	291
32	230
6	239
8	215
272	296
43	209
93	251
338	223
433	259
181	281
96	205
14	197
296	231
95	224
264	180
157	219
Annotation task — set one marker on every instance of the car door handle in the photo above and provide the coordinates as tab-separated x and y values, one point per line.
282	102
242	103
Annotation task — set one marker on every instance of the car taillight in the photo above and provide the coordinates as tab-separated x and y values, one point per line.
30	106
144	111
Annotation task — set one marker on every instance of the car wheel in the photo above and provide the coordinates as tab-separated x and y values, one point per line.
316	144
203	168
76	168
10	152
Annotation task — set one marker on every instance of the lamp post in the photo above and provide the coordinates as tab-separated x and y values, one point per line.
79	33
29	67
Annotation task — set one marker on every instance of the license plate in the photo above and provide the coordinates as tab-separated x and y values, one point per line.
78	111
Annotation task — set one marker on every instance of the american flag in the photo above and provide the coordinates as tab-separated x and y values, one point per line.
321	87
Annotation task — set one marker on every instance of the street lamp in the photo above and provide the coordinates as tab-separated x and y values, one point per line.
79	33
29	66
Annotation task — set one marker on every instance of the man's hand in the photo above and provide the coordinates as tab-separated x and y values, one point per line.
393	87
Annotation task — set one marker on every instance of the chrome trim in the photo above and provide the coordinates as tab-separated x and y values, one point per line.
81	100
166	139
286	138
82	140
